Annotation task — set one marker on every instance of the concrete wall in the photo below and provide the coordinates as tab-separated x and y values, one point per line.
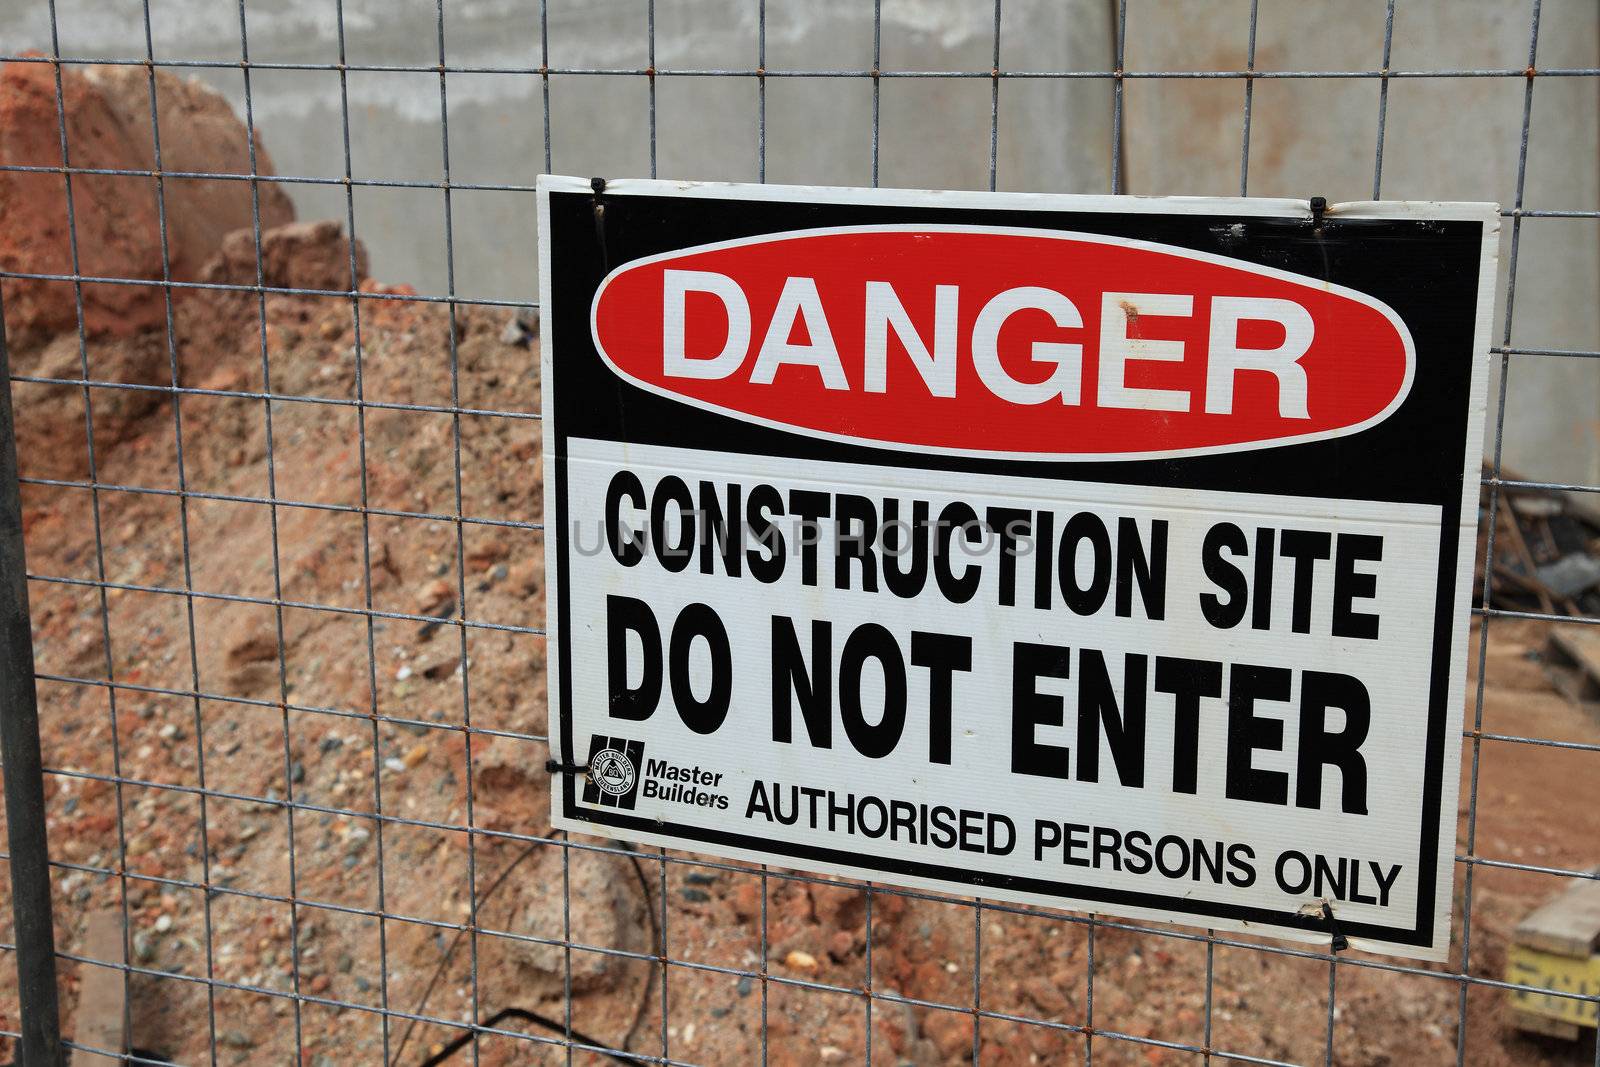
1447	138
934	133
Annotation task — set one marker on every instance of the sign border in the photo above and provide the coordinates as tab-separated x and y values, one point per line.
1447	689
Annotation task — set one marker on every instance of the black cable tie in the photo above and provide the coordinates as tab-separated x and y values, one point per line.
1319	209
555	766
599	187
1340	942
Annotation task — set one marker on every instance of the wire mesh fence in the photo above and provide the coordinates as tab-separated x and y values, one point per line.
287	617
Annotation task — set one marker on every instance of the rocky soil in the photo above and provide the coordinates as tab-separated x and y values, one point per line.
346	713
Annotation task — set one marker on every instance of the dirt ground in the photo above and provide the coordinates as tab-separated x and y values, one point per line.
1537	805
362	712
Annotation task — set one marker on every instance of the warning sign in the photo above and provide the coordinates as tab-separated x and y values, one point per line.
1106	553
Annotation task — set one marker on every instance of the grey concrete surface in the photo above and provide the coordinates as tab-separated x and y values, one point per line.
1446	139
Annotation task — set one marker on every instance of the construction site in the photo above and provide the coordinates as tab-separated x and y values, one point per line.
284	531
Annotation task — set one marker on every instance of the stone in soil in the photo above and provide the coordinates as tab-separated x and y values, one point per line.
607	910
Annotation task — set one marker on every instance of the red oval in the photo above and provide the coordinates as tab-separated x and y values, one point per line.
978	389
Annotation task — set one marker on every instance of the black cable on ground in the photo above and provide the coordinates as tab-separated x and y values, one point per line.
455	942
460	1041
655	940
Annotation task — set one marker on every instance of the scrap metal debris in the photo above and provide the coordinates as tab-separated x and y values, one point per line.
1546	549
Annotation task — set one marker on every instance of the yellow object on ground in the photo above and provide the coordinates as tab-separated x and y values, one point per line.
1548	1013
1557	948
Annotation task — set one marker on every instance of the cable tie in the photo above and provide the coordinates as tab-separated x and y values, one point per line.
1339	942
555	766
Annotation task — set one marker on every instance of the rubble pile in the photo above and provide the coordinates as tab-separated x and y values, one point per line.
106	115
1546	551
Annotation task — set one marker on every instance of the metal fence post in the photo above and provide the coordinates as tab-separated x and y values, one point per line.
40	1043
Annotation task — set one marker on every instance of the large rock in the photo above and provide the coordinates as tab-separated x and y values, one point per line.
52	440
116	217
300	255
200	134
605	905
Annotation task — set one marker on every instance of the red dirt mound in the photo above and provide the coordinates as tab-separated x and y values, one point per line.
116	217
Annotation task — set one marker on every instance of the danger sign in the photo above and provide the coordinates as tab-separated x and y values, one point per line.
1105	553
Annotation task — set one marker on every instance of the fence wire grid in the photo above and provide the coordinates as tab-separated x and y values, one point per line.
487	1024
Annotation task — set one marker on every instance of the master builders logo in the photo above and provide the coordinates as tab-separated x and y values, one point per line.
615	766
